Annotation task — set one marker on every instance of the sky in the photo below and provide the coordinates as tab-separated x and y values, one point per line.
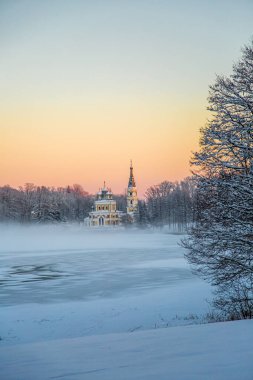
87	85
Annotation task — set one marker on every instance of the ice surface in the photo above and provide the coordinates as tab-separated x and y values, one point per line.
65	282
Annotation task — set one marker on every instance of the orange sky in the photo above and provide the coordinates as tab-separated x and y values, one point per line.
87	86
59	146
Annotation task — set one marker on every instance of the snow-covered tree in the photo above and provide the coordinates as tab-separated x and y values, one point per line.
10	204
142	217
171	203
44	204
221	242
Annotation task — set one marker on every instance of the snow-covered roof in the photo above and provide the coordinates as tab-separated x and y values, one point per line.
100	201
105	212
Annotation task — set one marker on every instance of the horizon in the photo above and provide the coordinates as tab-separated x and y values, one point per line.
141	195
88	85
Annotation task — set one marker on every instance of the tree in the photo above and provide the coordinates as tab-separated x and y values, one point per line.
10	204
127	220
220	245
171	203
142	217
157	198
44	204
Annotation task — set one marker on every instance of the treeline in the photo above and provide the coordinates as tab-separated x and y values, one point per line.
168	203
42	204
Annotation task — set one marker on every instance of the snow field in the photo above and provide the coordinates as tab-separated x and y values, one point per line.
219	351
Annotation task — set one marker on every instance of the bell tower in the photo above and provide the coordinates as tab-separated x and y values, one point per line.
132	199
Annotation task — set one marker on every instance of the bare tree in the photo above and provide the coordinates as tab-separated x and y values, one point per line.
35	204
221	242
171	203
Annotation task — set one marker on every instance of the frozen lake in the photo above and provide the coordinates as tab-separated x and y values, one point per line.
62	282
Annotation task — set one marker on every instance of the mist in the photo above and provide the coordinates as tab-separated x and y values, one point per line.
50	237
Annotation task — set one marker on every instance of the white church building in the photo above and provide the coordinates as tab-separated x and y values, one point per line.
105	211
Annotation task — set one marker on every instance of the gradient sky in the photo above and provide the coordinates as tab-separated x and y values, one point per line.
86	85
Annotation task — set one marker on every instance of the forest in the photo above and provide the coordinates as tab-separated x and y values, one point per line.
168	203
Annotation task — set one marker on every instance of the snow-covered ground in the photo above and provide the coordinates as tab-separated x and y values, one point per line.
219	351
78	304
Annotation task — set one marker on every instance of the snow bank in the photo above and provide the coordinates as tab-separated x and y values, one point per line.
219	351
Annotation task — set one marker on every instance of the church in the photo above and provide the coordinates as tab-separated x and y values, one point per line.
105	213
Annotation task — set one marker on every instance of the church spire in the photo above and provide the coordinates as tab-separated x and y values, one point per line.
131	182
132	199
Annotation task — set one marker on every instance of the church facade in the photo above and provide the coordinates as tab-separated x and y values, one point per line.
105	211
